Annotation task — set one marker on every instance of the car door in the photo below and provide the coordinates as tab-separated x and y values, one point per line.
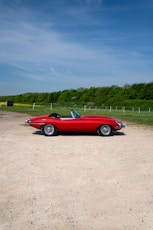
72	125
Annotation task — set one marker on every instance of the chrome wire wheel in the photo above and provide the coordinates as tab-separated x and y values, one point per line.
49	130
105	130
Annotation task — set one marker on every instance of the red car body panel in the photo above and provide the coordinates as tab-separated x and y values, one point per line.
75	124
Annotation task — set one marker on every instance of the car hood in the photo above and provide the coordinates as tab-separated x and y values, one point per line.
38	118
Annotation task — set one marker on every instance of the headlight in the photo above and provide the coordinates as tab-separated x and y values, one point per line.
120	124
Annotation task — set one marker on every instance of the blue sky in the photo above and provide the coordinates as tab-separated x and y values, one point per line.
48	45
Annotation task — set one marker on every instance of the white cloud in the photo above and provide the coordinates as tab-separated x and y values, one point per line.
53	71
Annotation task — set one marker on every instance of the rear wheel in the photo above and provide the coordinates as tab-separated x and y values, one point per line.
49	130
105	130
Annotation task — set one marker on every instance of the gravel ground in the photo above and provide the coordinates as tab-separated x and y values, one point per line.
74	182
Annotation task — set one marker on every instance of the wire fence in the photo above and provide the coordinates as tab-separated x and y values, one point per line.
53	106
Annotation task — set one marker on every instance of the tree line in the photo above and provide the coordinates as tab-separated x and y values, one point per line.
128	95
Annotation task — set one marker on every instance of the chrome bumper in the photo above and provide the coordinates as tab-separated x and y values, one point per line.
27	122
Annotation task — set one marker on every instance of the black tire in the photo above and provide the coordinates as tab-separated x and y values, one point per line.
105	130
42	129
49	130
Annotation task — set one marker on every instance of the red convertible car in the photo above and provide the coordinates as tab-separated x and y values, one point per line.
51	124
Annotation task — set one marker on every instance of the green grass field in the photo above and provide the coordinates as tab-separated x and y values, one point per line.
140	117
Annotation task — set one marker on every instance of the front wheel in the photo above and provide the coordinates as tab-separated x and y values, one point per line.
105	130
49	130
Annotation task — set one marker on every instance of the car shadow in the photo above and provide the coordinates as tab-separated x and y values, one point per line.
118	133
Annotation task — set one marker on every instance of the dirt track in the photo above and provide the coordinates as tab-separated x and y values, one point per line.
74	182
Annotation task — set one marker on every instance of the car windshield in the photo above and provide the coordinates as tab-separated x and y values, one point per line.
75	114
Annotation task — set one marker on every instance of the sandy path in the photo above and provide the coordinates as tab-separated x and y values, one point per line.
74	182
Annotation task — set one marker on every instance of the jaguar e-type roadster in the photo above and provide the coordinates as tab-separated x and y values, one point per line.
52	124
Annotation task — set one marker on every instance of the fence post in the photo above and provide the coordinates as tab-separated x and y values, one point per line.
110	109
139	109
33	107
84	108
51	106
